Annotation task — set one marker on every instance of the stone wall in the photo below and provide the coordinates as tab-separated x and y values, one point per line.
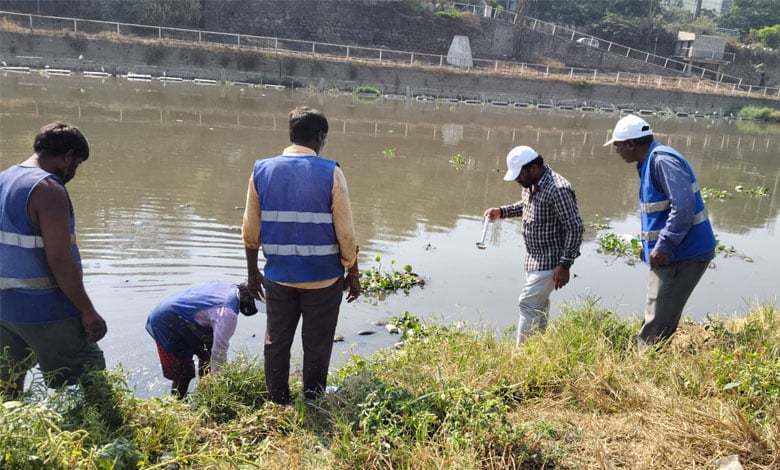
390	24
228	63
395	25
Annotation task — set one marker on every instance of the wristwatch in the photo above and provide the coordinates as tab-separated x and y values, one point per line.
565	264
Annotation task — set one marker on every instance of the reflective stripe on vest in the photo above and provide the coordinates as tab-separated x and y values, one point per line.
660	206
31	283
300	250
25	241
298	217
698	218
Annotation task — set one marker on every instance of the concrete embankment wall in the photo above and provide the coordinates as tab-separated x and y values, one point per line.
228	63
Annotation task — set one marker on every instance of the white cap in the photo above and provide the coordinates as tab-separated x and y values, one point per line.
629	127
516	159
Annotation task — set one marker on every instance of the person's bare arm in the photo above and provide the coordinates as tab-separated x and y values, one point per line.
49	208
250	231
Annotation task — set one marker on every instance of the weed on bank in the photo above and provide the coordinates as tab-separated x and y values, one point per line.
578	396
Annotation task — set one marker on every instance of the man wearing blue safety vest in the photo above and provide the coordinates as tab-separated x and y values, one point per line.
46	316
197	322
677	238
298	210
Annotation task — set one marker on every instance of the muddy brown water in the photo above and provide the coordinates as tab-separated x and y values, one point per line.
159	203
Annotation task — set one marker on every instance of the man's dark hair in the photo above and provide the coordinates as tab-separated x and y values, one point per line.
57	138
246	304
306	124
643	141
538	161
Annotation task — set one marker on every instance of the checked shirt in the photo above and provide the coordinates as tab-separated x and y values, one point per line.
552	226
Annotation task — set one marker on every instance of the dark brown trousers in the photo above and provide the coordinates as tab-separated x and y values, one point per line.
320	311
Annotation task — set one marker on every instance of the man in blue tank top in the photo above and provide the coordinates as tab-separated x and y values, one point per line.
298	210
197	322
677	238
46	316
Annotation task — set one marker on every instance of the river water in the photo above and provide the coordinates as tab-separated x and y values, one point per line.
159	202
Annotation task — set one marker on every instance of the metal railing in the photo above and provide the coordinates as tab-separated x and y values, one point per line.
696	53
605	45
705	80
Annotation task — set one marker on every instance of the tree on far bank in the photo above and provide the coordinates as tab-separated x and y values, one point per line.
769	36
744	15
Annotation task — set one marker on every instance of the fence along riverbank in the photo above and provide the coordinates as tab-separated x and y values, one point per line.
582	76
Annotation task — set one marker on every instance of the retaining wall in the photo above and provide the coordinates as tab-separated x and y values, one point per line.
227	63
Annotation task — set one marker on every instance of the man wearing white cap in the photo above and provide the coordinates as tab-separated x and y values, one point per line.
677	238
552	229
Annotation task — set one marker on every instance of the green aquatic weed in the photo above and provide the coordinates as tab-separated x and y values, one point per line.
613	244
458	161
712	193
374	280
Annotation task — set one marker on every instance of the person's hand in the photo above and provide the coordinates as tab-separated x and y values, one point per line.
493	213
254	284
94	326
560	277
352	283
658	259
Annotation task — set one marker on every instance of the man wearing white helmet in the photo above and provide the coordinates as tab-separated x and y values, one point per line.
677	238
552	229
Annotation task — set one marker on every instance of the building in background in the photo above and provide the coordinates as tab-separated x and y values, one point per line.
697	6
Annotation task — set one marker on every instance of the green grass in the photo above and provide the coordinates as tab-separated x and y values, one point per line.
578	396
760	113
452	13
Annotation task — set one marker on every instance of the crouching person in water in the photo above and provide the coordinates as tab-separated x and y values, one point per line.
197	322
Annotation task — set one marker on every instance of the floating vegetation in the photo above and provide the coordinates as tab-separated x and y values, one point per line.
367	94
600	223
388	152
712	193
729	251
366	91
757	113
753	190
621	246
458	161
377	282
409	325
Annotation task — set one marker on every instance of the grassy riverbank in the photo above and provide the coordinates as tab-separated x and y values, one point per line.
579	396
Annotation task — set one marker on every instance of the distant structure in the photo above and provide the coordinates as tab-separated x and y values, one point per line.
459	54
697	6
702	50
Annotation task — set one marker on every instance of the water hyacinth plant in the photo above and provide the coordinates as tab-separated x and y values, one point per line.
458	161
712	193
761	191
611	243
378	282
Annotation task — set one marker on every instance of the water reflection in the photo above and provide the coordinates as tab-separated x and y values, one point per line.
160	203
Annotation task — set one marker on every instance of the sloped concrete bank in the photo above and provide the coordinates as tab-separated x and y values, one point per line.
185	60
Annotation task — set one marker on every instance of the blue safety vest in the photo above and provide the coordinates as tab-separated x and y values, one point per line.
172	322
296	229
655	207
28	291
